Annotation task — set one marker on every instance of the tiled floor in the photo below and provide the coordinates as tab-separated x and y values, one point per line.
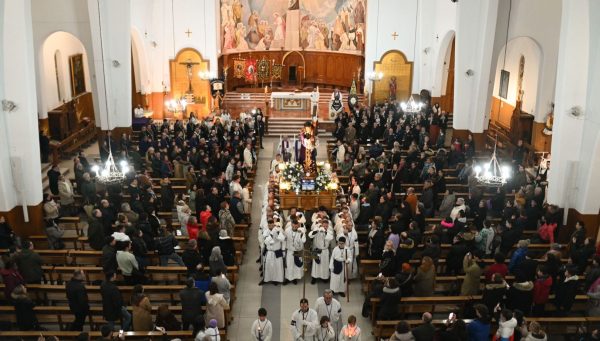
280	301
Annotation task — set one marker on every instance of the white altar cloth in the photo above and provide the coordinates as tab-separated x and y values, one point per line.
312	96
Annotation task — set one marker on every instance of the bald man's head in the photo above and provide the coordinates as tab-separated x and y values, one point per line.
427	318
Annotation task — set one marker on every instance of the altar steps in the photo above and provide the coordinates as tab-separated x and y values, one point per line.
290	126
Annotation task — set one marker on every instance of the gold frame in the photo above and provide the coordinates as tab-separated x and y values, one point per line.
74	92
379	63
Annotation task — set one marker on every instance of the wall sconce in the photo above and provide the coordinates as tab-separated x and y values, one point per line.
470	73
116	63
427	50
8	106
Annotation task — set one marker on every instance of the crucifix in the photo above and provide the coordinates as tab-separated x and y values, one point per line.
188	32
190	65
395	35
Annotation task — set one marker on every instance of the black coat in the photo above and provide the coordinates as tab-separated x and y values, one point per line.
192	300
227	250
424	332
390	300
493	294
26	319
375	245
95	234
77	296
112	301
565	293
109	258
527	268
30	266
191	259
520	296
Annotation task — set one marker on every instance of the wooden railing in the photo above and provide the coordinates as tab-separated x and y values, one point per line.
74	142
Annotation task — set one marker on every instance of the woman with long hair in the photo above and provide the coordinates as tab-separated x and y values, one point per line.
424	281
142	310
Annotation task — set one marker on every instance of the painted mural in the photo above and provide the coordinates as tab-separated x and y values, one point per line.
322	25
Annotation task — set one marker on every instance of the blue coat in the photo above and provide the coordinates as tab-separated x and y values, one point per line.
478	331
517	258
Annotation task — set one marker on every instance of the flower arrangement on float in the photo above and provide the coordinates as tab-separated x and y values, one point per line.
326	179
291	177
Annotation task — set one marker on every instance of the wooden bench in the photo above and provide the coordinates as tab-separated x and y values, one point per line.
185	335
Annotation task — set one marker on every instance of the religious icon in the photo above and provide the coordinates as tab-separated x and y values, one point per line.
77	75
393	88
238	68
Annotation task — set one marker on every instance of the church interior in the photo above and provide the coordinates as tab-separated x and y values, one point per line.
301	170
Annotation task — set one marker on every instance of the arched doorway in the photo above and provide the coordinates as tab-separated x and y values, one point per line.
139	70
295	71
444	78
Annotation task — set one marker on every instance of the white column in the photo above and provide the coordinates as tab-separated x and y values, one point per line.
475	36
573	180
110	22
20	168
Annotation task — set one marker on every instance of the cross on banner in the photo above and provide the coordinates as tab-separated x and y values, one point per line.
188	32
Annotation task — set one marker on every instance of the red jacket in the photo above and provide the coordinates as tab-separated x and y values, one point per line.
193	230
541	290
204	216
496	268
546	232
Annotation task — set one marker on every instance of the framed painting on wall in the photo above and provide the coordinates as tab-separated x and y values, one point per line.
504	78
77	75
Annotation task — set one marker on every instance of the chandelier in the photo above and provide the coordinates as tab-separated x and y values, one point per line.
411	107
176	105
375	76
491	174
110	174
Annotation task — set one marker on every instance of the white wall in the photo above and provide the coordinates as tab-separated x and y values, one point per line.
19	127
165	22
68	45
528	48
53	16
384	17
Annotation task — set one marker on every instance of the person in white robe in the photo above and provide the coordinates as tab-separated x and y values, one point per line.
295	237
340	260
248	160
276	163
341	153
353	249
325	332
331	308
321	234
304	322
350	331
273	237
262	329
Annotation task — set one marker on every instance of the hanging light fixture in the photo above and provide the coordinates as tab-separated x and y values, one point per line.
411	106
176	105
491	174
110	174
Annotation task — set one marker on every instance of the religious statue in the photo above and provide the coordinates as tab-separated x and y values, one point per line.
549	122
306	149
393	88
335	104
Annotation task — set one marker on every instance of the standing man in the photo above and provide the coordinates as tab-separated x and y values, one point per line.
295	238
330	307
192	300
304	322
274	237
322	235
259	127
262	329
340	260
78	299
113	309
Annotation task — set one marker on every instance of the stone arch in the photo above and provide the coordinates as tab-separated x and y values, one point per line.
140	62
442	62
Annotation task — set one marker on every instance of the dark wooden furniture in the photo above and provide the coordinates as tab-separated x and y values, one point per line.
62	121
521	125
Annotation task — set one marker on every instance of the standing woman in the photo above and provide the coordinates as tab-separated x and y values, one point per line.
216	305
142	310
424	281
26	319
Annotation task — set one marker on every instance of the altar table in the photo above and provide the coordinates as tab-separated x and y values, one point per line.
294	100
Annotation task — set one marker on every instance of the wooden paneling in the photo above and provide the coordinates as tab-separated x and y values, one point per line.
540	141
180	82
590	221
501	113
325	69
35	225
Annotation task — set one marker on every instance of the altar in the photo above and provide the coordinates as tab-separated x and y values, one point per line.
307	102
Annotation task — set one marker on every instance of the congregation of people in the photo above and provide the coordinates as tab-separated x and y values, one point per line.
396	166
